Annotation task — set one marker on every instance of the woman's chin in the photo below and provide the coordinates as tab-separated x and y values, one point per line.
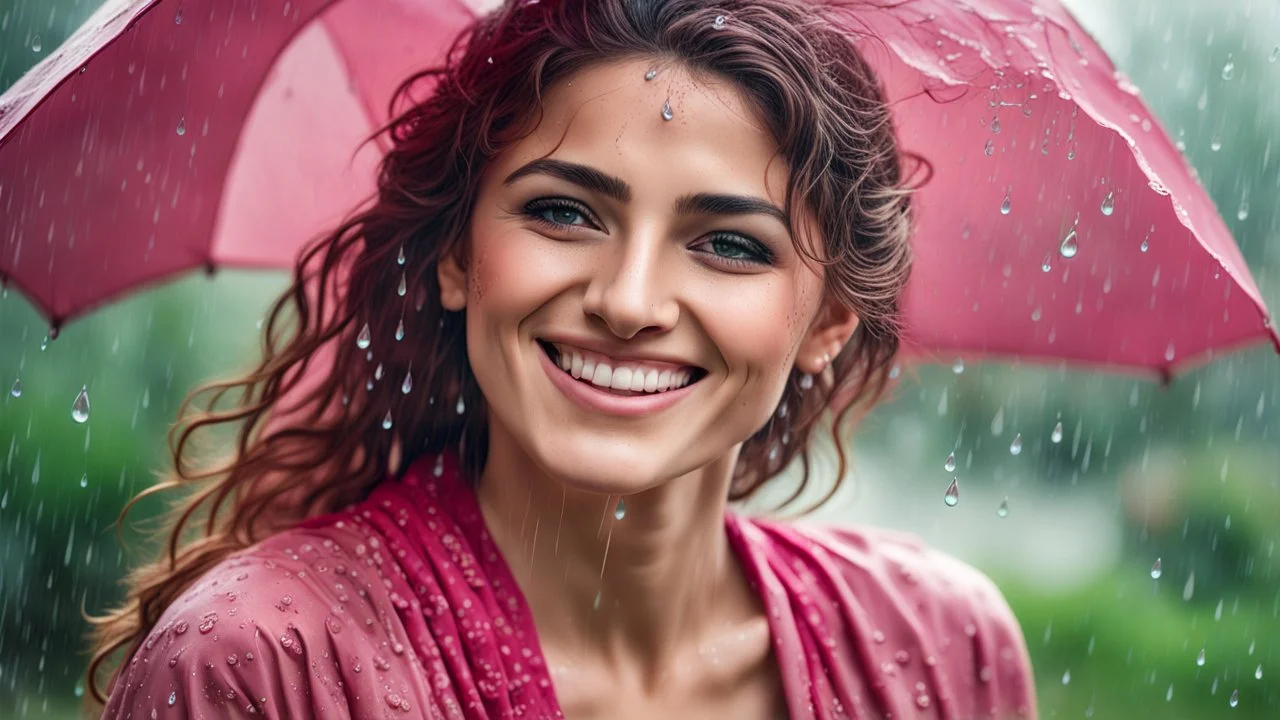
606	468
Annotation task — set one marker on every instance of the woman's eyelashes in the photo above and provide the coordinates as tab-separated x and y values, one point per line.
724	247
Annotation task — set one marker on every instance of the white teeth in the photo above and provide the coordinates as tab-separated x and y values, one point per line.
588	370
576	368
664	379
634	379
637	381
603	376
621	379
651	381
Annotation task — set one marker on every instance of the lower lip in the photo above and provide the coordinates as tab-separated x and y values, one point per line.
593	398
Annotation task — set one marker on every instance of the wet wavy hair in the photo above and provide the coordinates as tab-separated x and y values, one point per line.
328	412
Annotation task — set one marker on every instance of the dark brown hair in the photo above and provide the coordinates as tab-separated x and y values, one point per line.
359	355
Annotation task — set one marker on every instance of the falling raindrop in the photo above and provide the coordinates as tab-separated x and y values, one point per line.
438	470
400	330
1229	69
1003	510
1169	352
997	422
1200	658
620	511
1006	205
957	367
952	496
1055	437
1156	572
182	126
950	464
595	604
1257	674
1242	213
1109	204
377	372
1275	54
16	390
386	421
80	408
719	23
400	258
1047	265
1216	143
1015	447
407	386
1235	698
1189	589
177	17
35	44
461	407
364	338
1069	245
1066	678
173	698
666	110
1145	245
403	287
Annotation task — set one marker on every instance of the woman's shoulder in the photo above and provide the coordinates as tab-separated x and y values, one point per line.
295	626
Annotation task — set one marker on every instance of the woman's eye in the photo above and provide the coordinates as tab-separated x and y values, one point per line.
558	213
737	250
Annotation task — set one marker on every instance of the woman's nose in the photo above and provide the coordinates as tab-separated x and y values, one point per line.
631	292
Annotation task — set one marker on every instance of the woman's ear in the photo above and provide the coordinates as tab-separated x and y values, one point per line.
828	336
453	283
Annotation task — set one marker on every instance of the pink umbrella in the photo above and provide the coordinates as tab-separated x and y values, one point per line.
1061	222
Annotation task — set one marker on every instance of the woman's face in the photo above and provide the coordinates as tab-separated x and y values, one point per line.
650	258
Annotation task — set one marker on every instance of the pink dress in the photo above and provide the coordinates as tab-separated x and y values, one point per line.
401	607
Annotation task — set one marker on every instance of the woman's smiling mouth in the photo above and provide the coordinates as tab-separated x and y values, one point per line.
616	386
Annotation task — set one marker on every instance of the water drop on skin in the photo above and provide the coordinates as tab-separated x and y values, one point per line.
1109	204
620	511
1156	572
364	338
666	110
950	464
1015	447
1055	437
80	408
1007	205
1003	510
386	421
650	75
1200	658
1070	245
16	390
952	496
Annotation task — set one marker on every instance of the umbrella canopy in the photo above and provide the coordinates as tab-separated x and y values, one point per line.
1060	221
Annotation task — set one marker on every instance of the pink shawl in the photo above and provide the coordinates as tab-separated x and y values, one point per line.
402	607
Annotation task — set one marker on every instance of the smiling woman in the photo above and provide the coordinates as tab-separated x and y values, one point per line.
643	247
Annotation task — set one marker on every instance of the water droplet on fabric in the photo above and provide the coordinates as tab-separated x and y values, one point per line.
16	390
1003	509
1156	572
364	338
1006	205
620	511
386	421
1200	658
80	408
1015	447
1109	204
666	110
1070	246
950	464
1056	436
952	496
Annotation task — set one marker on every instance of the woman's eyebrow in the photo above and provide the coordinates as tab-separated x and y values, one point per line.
617	189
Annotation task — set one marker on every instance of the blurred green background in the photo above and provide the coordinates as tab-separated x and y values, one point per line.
1189	475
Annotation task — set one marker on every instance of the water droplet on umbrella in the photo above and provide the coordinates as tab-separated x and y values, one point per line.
80	408
651	74
400	258
400	330
990	148
1229	69
1216	143
719	23
1069	245
950	464
35	44
364	338
386	421
407	386
182	126
952	496
1109	204
1235	698
84	480
995	126
16	390
1055	437
1156	572
620	511
1006	205
1015	447
666	110
207	622
1003	510
1200	658
403	287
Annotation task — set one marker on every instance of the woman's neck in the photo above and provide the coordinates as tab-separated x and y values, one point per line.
637	593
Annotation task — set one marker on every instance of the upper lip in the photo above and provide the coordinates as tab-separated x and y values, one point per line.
618	354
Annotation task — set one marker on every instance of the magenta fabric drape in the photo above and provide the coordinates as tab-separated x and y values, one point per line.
401	606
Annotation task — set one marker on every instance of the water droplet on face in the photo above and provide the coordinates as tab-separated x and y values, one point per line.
16	390
1006	205
719	23
364	338
400	258
666	110
650	75
950	464
1055	437
952	496
386	421
400	330
461	407
1200	658
80	408
1003	510
1235	698
1015	447
1229	70
1069	245
1156	572
620	511
407	386
1109	204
